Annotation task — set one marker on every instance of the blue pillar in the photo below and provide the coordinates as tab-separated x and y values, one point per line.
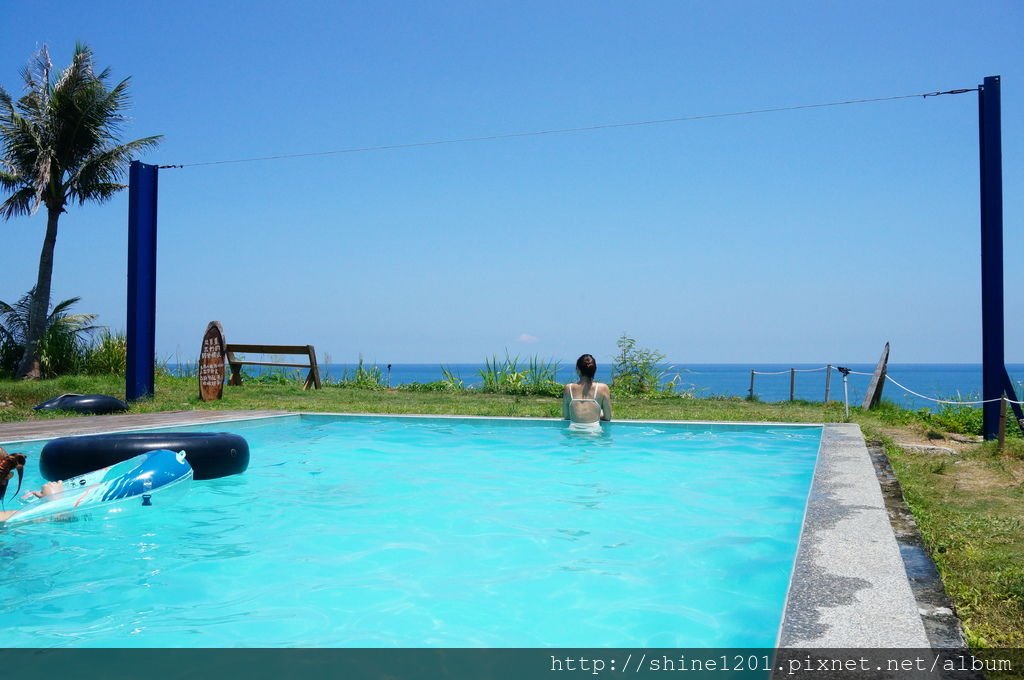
142	202
992	338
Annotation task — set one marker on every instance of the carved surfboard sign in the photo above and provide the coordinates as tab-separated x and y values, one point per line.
211	363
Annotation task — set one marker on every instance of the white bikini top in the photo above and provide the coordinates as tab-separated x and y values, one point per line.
582	398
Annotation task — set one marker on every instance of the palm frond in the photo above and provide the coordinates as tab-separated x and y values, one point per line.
14	318
19	143
100	192
18	203
62	307
10	181
77	323
100	174
36	76
61	137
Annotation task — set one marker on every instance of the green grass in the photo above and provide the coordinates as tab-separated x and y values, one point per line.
174	394
970	508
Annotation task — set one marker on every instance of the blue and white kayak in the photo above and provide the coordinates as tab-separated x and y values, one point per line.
149	480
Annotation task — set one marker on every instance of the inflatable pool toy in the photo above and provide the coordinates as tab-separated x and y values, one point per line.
211	454
150	480
96	404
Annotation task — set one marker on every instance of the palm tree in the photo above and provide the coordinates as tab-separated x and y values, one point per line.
58	144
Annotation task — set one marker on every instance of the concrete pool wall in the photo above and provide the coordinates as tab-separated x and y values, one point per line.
849	587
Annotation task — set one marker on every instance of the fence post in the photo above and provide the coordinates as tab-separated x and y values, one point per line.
751	395
792	384
1002	422
828	381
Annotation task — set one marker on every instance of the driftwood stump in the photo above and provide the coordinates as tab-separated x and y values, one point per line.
877	384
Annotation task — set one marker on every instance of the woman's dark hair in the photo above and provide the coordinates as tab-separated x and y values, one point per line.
587	366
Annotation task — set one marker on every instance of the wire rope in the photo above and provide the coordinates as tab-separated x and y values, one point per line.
559	131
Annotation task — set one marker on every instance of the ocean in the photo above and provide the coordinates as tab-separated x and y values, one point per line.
937	381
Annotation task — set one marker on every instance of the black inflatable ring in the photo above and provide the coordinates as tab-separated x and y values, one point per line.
83	403
211	454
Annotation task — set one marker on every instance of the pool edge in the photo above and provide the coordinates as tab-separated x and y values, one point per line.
34	431
849	587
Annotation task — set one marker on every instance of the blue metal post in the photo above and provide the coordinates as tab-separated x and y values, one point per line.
142	203
992	338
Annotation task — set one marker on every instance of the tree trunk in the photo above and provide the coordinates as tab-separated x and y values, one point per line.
29	367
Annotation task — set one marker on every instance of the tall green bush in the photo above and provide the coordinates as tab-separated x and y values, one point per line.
636	371
538	377
108	355
64	343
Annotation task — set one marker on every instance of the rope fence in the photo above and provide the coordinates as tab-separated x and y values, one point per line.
828	379
792	379
940	401
1004	401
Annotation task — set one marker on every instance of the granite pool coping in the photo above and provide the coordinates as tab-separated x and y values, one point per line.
849	587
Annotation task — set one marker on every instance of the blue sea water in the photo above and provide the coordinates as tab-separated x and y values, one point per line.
937	381
435	532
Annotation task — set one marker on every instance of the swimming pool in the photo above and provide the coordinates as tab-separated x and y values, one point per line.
366	531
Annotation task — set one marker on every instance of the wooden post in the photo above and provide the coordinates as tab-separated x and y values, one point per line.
1002	422
236	367
828	381
877	384
313	379
792	384
751	394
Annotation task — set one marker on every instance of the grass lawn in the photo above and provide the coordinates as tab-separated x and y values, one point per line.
969	507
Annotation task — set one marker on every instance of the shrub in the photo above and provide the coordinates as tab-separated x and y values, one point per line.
962	419
273	376
63	345
108	355
432	386
636	371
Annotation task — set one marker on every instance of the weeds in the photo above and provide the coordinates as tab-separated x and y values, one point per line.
538	378
363	377
959	418
108	355
452	381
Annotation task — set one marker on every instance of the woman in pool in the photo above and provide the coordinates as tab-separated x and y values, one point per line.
587	402
15	462
9	464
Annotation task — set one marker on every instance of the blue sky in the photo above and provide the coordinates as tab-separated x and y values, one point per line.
803	236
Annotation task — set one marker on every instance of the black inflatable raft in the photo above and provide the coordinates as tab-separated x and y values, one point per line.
97	404
211	454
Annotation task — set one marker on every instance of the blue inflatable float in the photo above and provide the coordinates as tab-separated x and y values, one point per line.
150	480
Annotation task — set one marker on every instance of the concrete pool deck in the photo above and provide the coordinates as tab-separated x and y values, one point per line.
849	587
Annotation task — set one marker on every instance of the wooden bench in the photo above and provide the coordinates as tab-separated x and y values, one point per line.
312	380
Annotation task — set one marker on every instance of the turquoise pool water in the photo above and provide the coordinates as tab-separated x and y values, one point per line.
424	532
